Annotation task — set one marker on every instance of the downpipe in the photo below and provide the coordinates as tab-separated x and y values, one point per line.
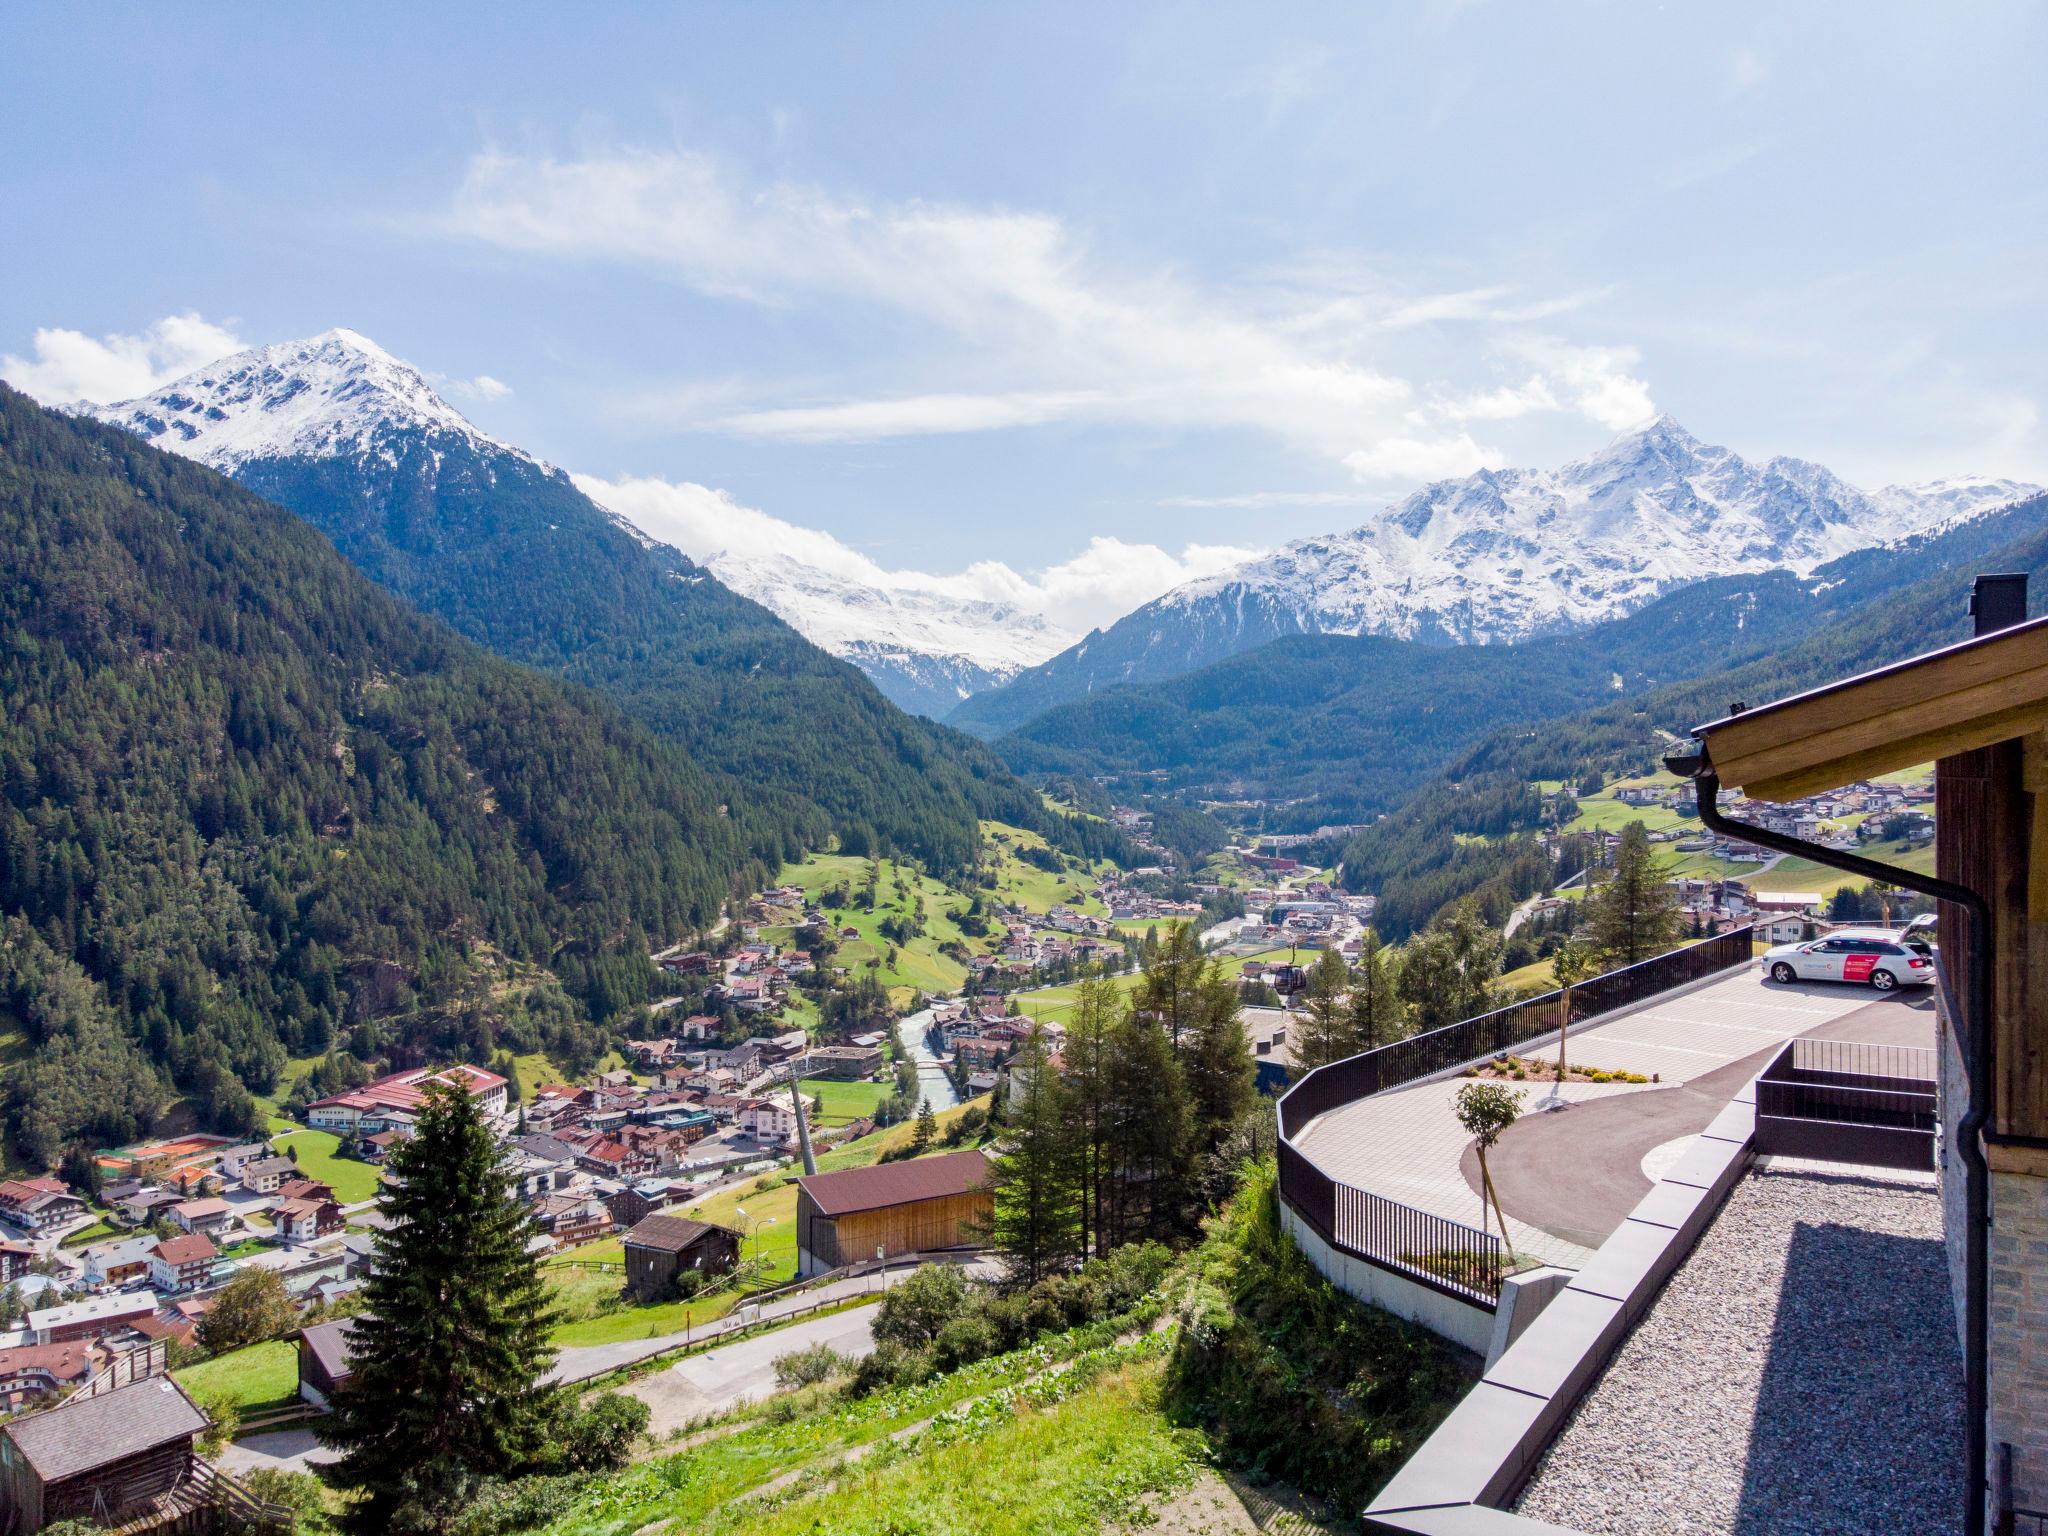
1969	1135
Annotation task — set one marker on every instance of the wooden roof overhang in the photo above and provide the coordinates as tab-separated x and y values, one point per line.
1956	699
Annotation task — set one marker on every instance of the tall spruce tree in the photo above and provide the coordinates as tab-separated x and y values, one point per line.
1145	1133
1324	1033
1176	974
1449	970
1216	1064
447	1363
1635	914
1085	1061
1035	1219
1378	1016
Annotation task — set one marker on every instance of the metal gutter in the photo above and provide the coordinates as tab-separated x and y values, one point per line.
1969	1130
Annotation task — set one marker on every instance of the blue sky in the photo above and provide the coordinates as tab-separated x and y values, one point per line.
957	284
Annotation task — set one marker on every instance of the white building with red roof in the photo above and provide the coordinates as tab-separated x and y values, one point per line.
397	1099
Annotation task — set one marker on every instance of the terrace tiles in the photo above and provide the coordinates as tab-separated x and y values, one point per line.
1406	1144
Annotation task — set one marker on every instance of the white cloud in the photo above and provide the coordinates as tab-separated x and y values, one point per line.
1096	586
1747	69
69	365
1505	403
1598	382
482	387
1039	327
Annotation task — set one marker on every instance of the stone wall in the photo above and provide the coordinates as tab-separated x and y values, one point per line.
2019	1332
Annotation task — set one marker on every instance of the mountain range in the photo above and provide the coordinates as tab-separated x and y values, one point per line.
1506	555
511	553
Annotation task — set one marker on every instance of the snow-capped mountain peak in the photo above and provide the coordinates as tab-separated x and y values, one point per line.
1509	554
337	394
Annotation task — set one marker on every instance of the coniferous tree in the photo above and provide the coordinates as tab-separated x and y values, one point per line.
1378	1016
1035	1220
1449	969
1085	1074
447	1363
1145	1133
1324	1032
1176	974
1216	1064
1635	914
926	1131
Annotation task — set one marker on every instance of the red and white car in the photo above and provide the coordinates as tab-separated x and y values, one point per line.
1883	958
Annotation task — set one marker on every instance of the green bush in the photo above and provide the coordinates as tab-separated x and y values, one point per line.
599	1435
1292	1378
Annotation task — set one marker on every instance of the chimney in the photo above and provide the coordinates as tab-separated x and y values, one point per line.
1999	602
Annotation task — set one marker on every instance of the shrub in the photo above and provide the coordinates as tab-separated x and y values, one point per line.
525	1504
911	1314
889	1364
808	1367
601	1434
963	1340
299	1492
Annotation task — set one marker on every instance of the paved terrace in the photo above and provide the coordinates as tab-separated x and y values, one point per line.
1568	1178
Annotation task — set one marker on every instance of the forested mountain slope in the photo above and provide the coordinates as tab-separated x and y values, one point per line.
251	806
1421	856
1344	727
508	551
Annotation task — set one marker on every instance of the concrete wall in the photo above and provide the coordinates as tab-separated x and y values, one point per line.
1462	1322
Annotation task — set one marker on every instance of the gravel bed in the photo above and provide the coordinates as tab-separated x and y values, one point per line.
1799	1374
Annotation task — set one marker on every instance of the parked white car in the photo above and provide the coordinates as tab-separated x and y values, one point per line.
1877	957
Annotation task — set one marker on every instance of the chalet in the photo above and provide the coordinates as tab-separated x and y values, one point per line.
85	1319
117	1261
303	1220
231	1160
15	1260
36	1205
323	1359
567	1220
659	1248
397	1099
380	1146
697	963
31	1372
305	1189
919	1206
105	1457
983	1052
208	1215
767	1120
144	1206
182	1263
263	1175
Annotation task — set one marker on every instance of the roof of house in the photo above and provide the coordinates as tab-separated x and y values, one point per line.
86	1432
61	1362
1934	705
328	1343
670	1234
407	1090
885	1184
263	1167
192	1210
122	1305
188	1248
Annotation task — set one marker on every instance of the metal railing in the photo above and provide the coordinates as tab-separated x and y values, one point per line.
1504	1029
1849	1101
1434	1250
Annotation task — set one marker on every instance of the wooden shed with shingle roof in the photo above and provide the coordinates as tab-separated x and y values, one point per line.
99	1457
659	1248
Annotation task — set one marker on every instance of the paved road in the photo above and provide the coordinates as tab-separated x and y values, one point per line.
700	1385
281	1450
581	1364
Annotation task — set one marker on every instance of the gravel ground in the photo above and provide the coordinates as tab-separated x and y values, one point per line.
1800	1374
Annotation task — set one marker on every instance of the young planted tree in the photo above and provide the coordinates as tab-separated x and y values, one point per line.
447	1362
1035	1218
1486	1109
1378	1016
1634	915
1571	963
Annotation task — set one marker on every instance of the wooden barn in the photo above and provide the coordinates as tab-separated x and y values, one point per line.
919	1206
124	1455
324	1359
659	1248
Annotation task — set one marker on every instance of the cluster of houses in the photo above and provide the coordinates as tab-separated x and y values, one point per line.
1037	941
981	1036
